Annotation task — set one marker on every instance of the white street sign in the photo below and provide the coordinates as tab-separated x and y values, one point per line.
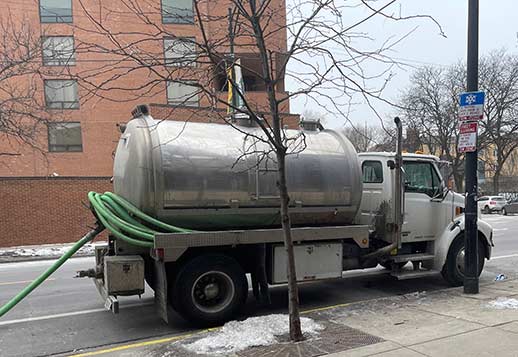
467	137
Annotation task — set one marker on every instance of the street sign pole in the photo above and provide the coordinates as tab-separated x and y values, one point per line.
471	283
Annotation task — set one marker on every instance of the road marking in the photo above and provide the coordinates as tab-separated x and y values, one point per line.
182	337
23	282
145	343
66	314
505	256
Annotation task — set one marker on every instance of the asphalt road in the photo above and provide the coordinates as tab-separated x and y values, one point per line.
66	314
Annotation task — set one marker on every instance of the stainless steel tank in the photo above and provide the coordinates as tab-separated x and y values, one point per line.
213	177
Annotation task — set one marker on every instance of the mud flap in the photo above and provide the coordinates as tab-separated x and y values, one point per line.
161	290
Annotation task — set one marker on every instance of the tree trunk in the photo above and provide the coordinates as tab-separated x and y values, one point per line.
496	182
293	293
459	181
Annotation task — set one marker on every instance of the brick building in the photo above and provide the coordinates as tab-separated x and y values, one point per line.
87	87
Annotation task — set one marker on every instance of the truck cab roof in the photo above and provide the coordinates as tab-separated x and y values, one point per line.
387	155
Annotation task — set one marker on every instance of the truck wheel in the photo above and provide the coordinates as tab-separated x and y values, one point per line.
453	269
209	290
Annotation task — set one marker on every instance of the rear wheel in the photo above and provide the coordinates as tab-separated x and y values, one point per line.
453	270
209	290
486	210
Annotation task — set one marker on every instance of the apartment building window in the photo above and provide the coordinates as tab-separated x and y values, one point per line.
180	51
58	51
54	11
177	12
61	94
65	137
183	93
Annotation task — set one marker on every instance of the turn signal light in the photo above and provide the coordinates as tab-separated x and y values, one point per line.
458	211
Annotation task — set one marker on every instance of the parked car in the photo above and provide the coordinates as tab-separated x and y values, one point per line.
510	208
489	204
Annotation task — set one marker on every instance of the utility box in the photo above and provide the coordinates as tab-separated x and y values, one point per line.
124	274
312	262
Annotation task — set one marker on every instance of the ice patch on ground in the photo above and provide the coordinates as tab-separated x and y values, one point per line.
236	336
504	303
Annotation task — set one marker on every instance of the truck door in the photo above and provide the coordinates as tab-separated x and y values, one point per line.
425	212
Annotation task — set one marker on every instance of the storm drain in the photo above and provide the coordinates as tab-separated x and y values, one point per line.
335	338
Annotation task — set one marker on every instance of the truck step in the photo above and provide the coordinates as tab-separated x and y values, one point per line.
412	257
411	274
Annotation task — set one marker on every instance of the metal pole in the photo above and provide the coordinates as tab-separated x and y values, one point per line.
232	56
471	285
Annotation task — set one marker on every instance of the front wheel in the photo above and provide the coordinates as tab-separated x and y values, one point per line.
453	270
209	290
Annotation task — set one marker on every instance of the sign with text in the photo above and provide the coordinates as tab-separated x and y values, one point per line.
467	137
471	106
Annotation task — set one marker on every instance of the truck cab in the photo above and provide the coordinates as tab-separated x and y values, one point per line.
433	220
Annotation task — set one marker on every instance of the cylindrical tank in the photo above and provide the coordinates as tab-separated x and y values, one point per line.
215	177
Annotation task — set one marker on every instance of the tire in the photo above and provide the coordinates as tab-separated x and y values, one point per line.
504	211
218	275
388	265
486	210
452	272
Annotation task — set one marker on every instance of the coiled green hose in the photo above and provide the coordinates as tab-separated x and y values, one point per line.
121	218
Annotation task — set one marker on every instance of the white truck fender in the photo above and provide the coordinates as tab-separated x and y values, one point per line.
442	245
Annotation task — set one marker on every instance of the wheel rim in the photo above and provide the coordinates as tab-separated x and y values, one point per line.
213	291
459	261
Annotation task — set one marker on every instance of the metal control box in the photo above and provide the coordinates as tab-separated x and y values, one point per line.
312	262
124	274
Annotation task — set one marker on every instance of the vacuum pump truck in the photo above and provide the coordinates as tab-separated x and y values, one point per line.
348	211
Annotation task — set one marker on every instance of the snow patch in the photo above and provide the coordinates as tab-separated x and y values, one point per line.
504	303
46	250
236	336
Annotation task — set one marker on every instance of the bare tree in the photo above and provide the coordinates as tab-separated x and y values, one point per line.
21	111
309	44
431	108
367	137
499	78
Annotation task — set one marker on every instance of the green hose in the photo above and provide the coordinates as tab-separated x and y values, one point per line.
40	279
122	219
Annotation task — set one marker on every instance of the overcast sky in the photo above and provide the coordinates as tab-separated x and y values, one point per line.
498	29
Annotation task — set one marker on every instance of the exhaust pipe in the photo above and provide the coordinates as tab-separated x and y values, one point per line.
399	195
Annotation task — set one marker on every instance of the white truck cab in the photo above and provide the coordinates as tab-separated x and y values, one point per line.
433	219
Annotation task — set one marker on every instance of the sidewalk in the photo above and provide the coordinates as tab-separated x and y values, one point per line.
43	252
441	323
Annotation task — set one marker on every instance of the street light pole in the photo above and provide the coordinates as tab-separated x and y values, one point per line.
471	283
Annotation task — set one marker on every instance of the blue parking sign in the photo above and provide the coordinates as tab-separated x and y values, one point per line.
471	106
472	98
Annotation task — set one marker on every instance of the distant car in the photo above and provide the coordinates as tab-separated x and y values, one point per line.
489	204
510	208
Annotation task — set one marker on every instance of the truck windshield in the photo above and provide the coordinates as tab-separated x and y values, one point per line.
421	177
